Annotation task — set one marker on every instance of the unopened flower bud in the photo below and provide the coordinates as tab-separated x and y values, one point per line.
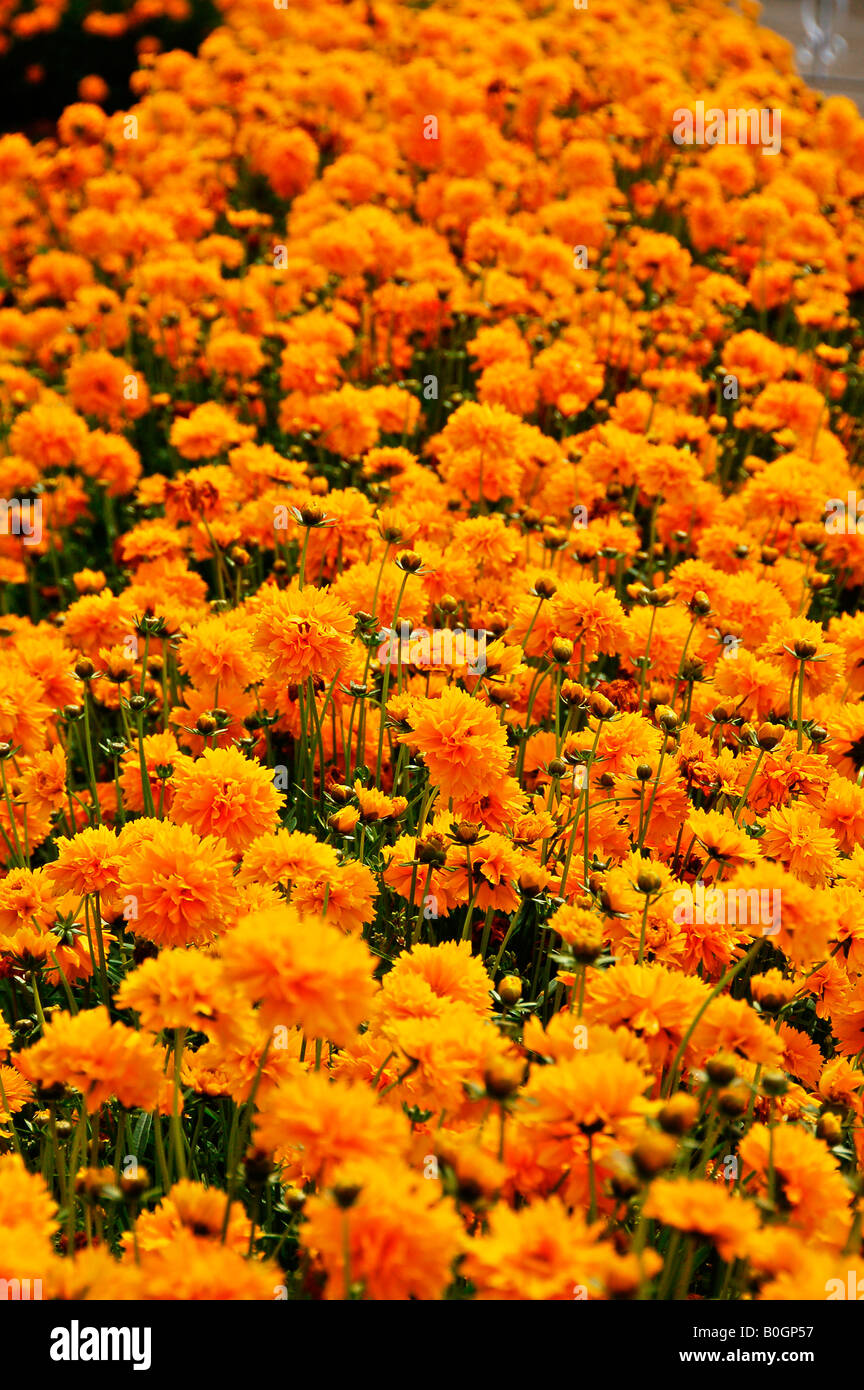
544	587
666	717
811	536
732	1101
769	735
346	1194
503	1077
135	1184
600	707
829	1128
622	1177
648	882
432	850
258	1166
572	693
775	1083
532	882
510	989
654	1152
722	1068
680	1113
466	832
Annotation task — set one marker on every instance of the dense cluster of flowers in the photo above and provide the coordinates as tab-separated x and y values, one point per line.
423	654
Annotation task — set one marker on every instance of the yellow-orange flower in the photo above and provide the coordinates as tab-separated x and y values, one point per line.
225	795
300	972
101	1059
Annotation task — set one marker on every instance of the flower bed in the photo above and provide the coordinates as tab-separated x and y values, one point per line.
431	725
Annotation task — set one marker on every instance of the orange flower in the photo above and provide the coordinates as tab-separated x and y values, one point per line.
580	1097
447	972
480	450
180	989
288	159
444	1052
461	741
91	862
398	1239
43	784
415	878
797	644
178	888
732	1026
590	617
284	856
209	431
51	434
495	868
25	1202
655	1003
24	711
703	1208
224	794
26	898
794	835
375	806
206	1270
842	813
160	751
234	354
216	653
103	385
16	1092
101	1059
300	973
721	838
319	1124
344	895
303	632
808	1180
191	1214
541	1253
